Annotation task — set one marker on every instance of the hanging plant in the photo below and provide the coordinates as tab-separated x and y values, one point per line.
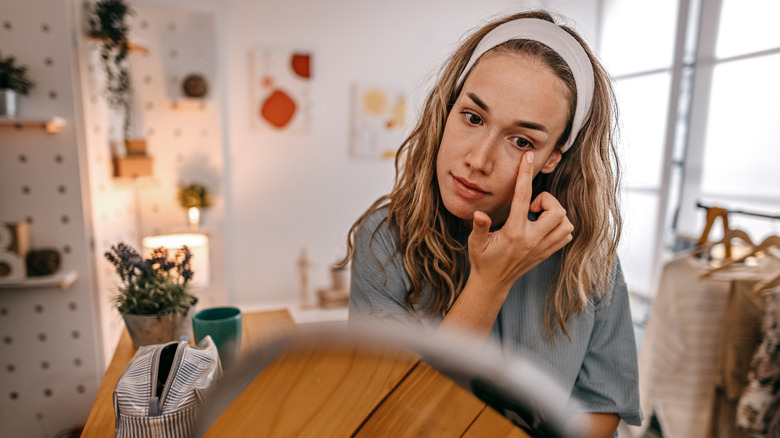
107	23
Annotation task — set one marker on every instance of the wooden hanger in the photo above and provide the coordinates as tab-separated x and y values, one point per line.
769	282
727	239
768	243
713	213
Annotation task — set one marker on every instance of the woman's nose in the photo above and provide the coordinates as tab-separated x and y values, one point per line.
480	155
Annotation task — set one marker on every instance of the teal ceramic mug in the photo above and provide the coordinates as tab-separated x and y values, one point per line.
223	324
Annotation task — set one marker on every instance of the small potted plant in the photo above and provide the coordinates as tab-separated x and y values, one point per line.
194	197
154	296
14	81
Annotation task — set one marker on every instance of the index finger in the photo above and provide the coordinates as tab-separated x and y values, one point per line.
521	201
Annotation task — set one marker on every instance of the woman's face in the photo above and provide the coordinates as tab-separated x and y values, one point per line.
510	104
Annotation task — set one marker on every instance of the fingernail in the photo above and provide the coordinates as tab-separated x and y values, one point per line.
529	156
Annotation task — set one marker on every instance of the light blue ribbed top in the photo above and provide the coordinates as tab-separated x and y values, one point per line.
598	365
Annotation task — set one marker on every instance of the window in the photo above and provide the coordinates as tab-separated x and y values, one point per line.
642	69
734	158
700	120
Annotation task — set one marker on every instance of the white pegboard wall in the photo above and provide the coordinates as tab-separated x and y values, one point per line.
47	382
184	135
49	350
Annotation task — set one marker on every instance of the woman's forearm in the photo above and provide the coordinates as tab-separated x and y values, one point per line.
601	425
475	311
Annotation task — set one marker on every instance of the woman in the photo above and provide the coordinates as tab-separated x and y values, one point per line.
503	221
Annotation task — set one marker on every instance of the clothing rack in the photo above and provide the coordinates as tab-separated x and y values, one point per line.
748	213
687	308
713	213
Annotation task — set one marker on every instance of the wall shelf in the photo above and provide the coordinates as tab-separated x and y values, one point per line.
51	125
62	281
132	46
189	103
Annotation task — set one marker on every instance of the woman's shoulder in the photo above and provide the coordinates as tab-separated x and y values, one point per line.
376	219
616	287
376	232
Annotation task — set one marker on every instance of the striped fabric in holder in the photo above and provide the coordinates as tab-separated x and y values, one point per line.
162	388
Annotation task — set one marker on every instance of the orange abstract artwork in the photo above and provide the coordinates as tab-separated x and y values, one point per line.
278	109
283	95
301	65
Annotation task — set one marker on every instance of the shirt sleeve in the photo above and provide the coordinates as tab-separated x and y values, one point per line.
608	378
378	279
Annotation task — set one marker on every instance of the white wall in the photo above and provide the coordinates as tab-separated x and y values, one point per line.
301	191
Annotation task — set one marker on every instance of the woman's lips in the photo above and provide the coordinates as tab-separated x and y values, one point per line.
468	190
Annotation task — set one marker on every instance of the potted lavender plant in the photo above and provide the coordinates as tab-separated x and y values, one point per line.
153	295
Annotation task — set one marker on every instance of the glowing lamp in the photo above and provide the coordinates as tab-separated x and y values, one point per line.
193	217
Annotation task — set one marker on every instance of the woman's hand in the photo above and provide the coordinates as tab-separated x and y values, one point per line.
498	259
505	255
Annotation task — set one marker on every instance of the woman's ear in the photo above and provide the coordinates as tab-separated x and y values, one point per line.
552	162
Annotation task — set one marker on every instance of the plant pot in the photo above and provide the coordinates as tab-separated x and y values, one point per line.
153	329
136	147
133	167
9	103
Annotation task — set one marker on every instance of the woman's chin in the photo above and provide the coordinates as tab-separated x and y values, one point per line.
463	213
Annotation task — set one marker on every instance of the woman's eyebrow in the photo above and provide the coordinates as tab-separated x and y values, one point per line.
521	123
478	101
531	125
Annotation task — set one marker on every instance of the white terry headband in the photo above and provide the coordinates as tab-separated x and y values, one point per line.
559	41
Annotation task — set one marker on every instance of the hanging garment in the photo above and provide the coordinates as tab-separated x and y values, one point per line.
740	338
758	410
680	358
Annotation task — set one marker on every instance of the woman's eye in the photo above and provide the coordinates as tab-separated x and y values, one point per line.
522	143
472	118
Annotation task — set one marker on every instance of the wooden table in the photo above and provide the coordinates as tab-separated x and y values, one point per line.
330	392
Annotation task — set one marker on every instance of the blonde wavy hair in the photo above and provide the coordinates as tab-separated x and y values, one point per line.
585	182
